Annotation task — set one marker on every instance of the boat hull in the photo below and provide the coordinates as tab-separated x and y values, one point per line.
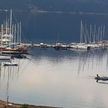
101	78
8	50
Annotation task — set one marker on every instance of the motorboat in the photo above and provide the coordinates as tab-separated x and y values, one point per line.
10	64
103	78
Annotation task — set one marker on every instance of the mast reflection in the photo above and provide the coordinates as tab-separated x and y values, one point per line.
8	72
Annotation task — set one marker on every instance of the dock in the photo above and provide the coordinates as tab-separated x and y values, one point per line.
72	46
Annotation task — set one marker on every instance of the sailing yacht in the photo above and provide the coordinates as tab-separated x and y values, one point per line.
10	37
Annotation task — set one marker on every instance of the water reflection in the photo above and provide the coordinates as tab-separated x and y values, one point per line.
7	73
103	82
57	78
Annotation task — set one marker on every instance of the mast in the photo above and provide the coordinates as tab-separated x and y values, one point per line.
6	22
81	34
6	32
85	33
17	33
6	26
12	39
1	34
20	34
103	33
90	33
10	20
94	33
98	34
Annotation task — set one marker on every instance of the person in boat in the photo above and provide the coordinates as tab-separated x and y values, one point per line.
101	78
98	76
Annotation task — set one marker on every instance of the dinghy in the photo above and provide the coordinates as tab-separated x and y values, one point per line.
101	78
10	64
5	58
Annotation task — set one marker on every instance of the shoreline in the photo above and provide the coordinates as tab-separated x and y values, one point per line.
3	104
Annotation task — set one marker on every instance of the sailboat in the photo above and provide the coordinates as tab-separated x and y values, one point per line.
59	46
10	38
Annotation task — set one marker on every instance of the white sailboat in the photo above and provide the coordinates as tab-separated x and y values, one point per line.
10	37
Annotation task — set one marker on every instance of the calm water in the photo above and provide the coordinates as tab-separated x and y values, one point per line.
57	78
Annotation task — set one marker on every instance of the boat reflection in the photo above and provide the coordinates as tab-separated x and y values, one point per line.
103	82
9	72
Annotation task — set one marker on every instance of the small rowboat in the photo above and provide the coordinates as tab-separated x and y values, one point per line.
101	78
10	64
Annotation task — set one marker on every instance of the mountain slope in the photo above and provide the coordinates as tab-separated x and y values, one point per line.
65	5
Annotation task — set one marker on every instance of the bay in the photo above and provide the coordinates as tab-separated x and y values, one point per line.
57	78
